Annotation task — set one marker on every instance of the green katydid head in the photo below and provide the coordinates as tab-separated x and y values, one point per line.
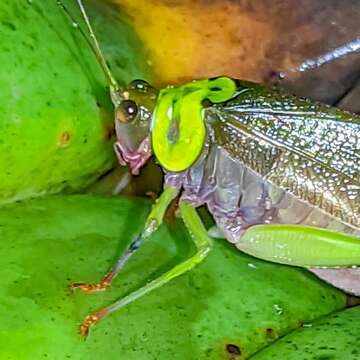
176	122
133	113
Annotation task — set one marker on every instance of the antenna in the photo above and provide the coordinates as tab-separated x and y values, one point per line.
94	45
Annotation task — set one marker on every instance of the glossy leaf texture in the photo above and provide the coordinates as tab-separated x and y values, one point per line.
229	305
334	337
56	118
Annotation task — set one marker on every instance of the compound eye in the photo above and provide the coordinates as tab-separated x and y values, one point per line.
140	85
127	111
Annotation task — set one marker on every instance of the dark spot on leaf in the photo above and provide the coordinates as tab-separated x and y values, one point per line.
269	332
120	63
9	25
215	88
233	349
208	352
324	357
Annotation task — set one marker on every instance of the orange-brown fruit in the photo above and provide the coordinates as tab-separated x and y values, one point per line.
252	40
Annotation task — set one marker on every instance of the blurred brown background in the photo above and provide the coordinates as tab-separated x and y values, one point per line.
259	40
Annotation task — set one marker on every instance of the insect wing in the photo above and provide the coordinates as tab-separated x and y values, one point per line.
308	149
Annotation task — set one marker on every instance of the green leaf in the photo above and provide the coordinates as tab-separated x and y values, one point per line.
56	117
230	302
335	337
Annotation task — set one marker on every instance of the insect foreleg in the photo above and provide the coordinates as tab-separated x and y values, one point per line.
152	223
301	245
203	245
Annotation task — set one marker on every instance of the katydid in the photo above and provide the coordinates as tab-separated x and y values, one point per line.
279	174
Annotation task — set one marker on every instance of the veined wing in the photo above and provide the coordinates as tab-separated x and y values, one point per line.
308	149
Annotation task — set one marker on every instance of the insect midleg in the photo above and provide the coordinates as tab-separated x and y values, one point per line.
203	245
301	245
152	223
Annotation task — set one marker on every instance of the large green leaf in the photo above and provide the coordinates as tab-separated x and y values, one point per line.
230	298
336	337
56	119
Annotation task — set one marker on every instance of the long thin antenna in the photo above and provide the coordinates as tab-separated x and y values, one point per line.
94	45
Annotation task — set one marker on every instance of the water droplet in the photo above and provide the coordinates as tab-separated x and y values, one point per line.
251	265
279	309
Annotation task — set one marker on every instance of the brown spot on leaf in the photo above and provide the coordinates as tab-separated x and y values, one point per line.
65	137
233	350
